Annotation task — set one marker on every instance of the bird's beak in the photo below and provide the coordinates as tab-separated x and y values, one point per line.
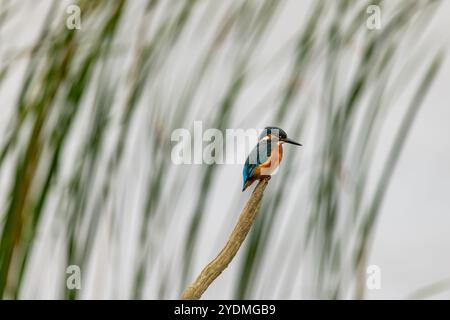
287	140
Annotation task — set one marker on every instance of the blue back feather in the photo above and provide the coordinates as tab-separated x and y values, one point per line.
260	154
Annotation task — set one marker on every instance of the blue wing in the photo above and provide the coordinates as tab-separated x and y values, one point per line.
260	154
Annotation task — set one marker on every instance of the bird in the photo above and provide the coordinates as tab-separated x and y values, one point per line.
266	156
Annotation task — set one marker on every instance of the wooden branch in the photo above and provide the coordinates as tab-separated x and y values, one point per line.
235	240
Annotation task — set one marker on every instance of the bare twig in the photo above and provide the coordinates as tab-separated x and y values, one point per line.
237	237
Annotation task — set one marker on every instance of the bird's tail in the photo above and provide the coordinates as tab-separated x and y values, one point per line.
247	184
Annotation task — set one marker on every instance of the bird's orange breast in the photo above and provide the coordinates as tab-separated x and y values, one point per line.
268	167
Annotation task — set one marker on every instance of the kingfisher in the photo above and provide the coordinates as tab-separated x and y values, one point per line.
266	155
